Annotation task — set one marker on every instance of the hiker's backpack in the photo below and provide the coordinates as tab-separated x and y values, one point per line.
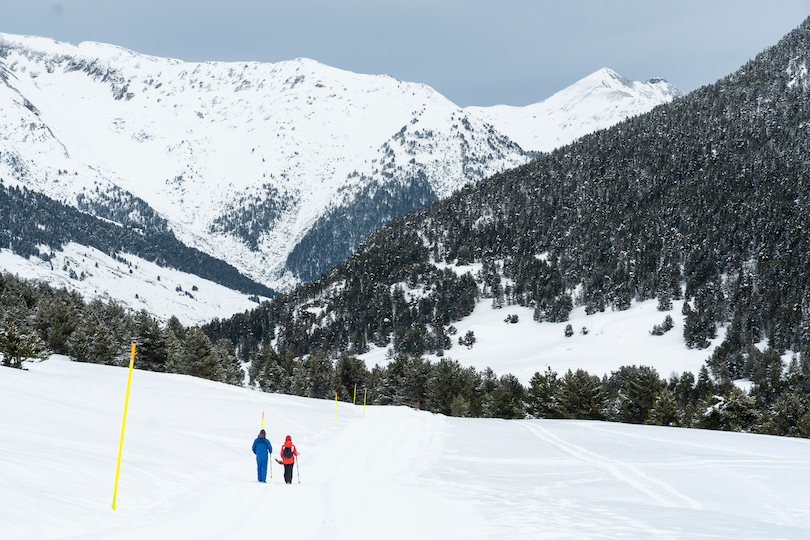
287	452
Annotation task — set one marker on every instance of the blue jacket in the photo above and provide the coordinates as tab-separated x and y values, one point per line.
261	447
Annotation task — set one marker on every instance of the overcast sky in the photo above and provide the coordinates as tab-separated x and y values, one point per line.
474	52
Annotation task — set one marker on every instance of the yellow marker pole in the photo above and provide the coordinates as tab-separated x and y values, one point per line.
365	392
335	409
123	425
262	419
354	399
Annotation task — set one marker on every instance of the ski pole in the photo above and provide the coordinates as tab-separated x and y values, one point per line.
298	470
270	465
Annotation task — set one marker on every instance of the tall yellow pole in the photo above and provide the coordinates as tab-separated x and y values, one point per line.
262	419
123	425
354	399
335	409
365	392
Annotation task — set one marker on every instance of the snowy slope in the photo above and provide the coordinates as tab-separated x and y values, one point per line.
141	284
598	101
243	158
613	339
187	470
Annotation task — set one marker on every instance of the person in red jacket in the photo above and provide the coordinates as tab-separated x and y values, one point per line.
288	454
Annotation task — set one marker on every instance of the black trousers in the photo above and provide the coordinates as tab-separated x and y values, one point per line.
288	470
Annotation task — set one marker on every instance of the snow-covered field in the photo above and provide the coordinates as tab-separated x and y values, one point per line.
161	291
188	471
613	339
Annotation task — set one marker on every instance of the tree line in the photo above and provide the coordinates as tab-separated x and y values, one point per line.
38	320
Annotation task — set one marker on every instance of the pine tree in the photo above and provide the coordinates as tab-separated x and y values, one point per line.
507	399
446	385
569	330
152	346
350	373
582	396
56	318
664	302
736	411
17	345
665	410
541	397
91	341
639	390
314	376
460	407
232	372
198	357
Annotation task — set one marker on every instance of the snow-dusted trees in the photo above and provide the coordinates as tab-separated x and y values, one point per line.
542	395
314	376
350	373
270	371
232	372
197	356
91	341
506	400
152	342
582	396
17	345
638	389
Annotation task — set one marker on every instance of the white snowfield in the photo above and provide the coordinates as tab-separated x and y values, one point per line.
188	471
611	339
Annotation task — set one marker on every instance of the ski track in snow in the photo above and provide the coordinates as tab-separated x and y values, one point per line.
625	472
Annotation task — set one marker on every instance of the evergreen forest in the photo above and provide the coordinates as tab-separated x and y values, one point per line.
37	320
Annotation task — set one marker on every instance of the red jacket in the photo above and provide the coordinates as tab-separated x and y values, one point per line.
287	461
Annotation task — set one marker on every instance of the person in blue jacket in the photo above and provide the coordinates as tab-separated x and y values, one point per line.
262	447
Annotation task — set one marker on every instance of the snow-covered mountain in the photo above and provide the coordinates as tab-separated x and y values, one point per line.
598	101
268	167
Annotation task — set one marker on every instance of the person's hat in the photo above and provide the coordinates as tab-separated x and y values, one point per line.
289	439
261	432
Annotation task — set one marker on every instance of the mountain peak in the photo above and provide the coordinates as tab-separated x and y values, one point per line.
599	100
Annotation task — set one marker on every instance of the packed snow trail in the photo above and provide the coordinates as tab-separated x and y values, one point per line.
188	470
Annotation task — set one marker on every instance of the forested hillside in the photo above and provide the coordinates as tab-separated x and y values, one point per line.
704	197
30	220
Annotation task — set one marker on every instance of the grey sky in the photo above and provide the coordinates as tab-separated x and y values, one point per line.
474	52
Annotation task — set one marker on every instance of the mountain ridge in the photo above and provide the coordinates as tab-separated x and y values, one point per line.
243	179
